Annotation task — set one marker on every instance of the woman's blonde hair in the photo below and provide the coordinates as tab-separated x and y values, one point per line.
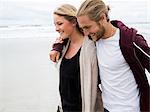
93	9
66	10
69	13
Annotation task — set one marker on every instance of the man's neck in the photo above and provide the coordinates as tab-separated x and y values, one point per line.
110	31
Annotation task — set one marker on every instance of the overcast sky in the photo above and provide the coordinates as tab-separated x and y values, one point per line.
26	11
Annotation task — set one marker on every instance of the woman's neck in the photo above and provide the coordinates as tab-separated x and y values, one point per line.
76	37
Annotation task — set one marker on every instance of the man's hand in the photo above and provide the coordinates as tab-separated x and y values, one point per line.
59	40
54	55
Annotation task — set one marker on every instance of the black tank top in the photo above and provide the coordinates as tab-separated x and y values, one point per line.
69	87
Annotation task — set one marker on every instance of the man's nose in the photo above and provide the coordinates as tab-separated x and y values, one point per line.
86	33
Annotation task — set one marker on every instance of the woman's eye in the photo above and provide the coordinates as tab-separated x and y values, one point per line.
59	23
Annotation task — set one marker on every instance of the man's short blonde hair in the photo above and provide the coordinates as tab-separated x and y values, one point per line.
93	9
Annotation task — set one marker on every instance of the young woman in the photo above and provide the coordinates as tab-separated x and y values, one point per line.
78	68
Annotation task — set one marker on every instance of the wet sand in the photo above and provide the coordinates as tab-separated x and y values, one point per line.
28	79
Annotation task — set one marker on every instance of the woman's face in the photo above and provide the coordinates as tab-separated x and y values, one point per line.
63	26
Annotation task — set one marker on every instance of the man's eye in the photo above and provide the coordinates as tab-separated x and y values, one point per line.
86	28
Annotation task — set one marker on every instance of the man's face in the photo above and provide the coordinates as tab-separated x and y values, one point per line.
91	28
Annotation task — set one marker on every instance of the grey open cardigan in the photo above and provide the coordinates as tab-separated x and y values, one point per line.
90	92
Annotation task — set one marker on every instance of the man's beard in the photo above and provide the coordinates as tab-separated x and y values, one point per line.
99	34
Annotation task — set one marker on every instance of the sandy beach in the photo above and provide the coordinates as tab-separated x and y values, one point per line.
28	80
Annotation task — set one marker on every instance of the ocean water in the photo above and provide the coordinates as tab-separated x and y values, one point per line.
28	79
26	19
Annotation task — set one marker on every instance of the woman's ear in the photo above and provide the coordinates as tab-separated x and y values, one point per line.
74	22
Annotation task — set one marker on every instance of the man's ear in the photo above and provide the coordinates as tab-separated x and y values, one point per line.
102	18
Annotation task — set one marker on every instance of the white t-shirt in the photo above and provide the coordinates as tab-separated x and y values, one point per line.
119	89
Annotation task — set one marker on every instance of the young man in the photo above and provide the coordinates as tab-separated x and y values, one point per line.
122	55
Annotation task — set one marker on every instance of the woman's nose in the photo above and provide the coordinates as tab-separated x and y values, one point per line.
57	29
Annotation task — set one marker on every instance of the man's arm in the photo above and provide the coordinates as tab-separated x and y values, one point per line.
56	51
142	51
